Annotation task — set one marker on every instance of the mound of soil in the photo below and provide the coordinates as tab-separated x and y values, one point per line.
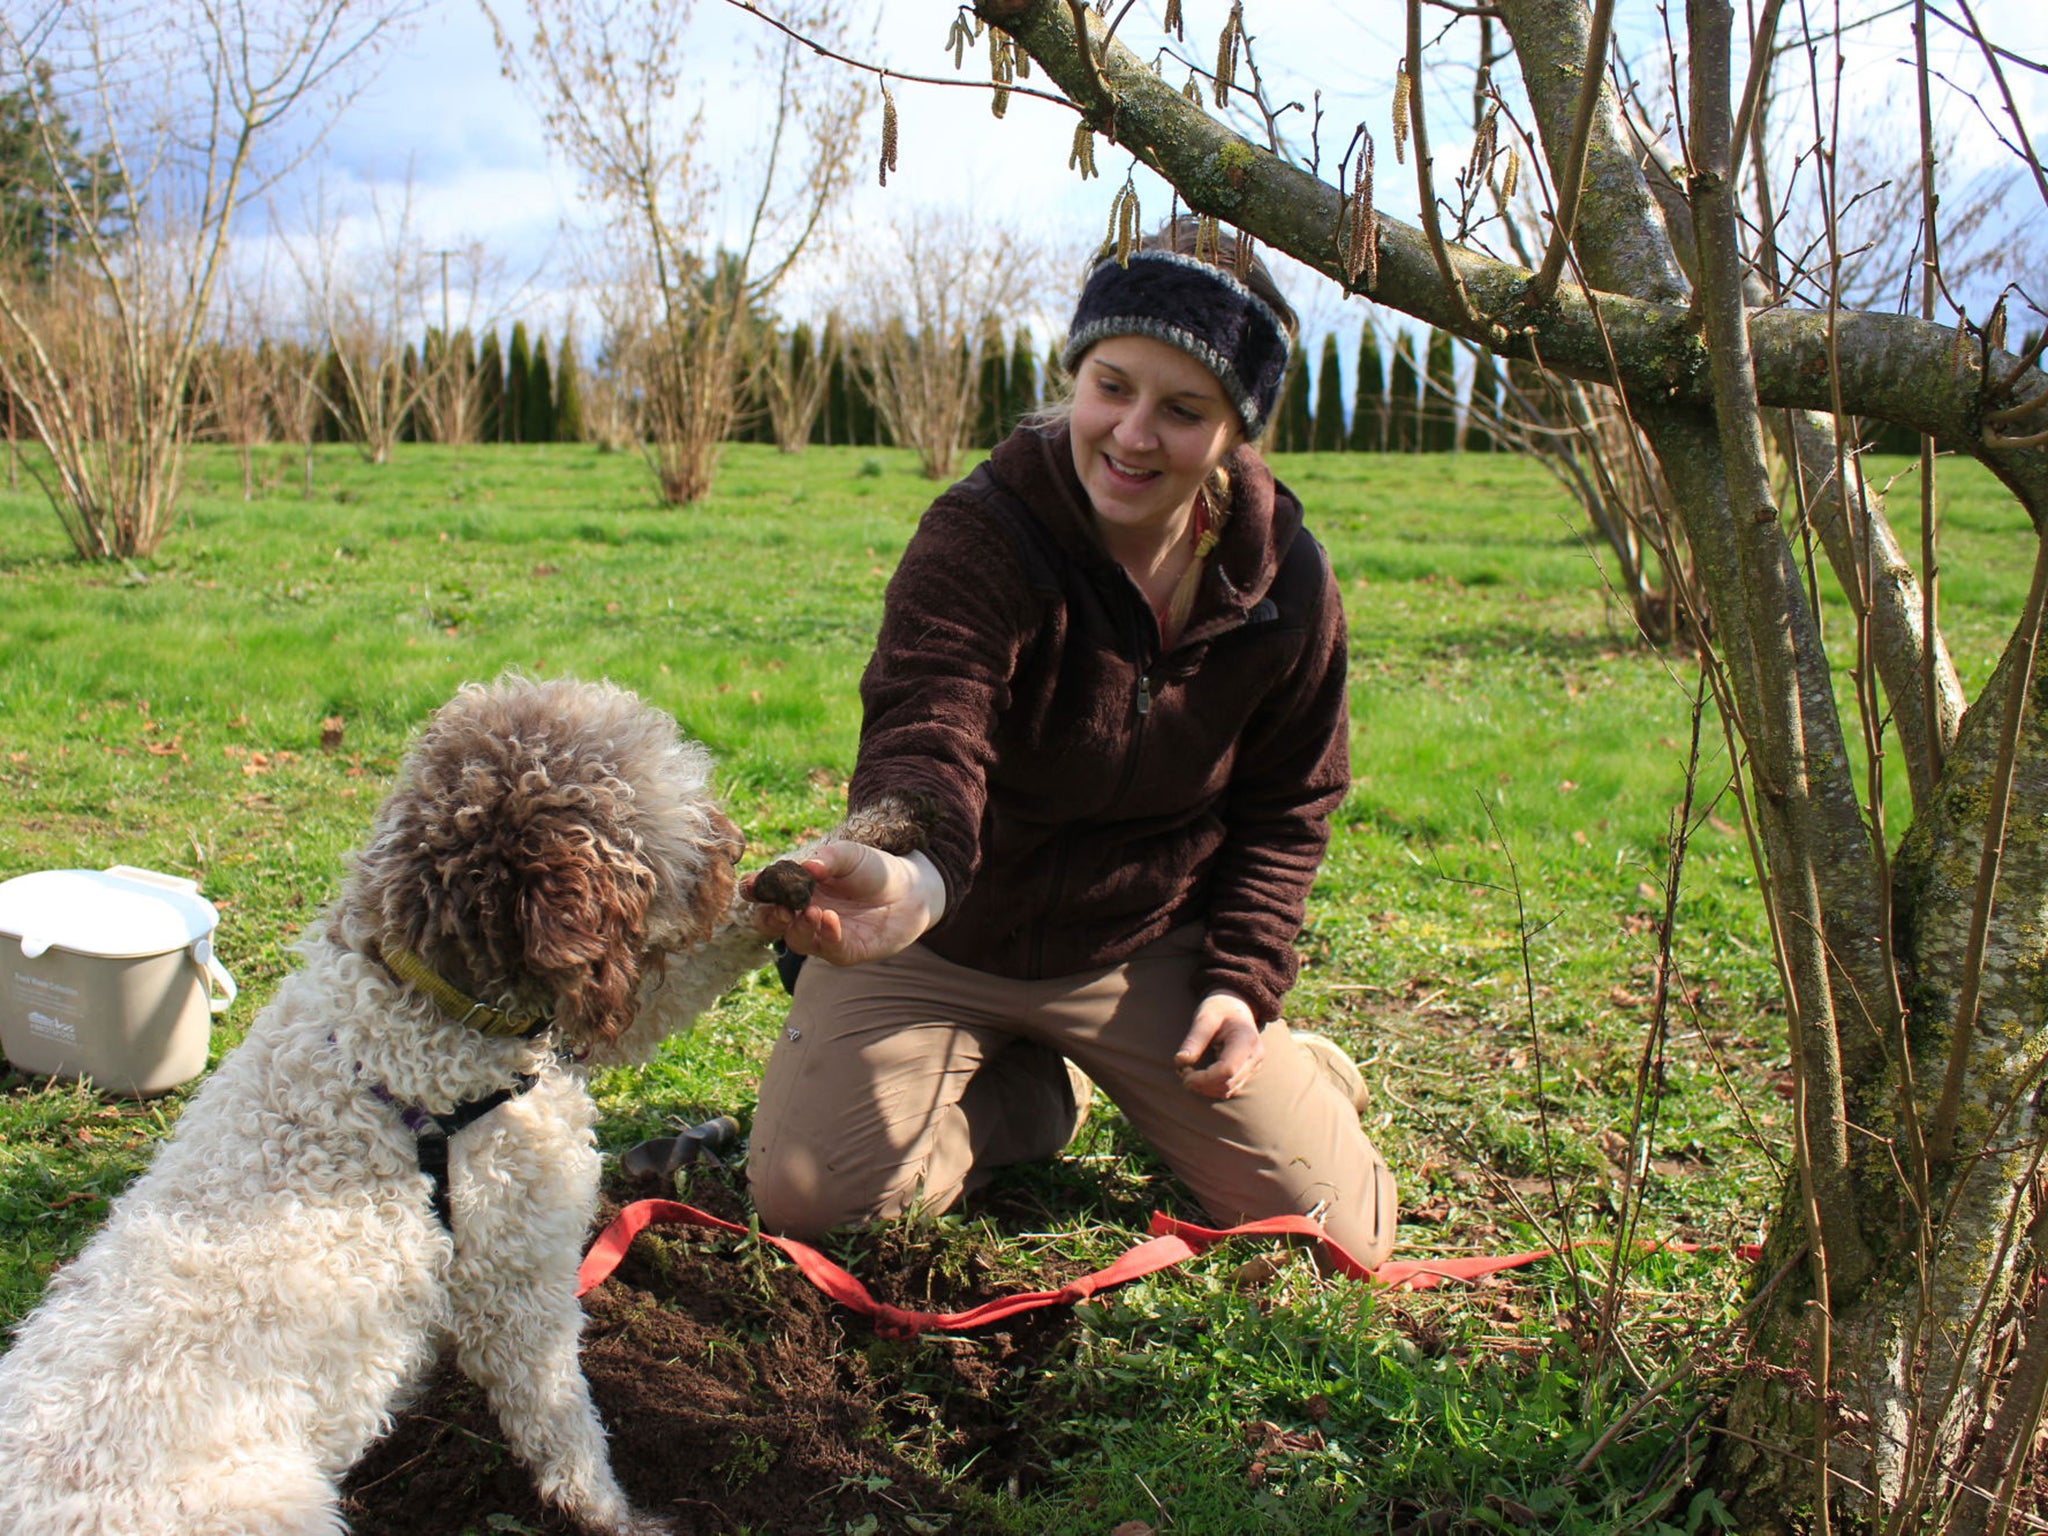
738	1398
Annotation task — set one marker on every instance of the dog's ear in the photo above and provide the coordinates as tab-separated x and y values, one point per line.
583	917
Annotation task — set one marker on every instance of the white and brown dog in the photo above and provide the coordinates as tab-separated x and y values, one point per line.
400	1154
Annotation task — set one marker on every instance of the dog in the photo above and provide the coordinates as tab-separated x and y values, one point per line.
400	1155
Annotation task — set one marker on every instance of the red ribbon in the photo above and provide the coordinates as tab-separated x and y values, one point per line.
1171	1242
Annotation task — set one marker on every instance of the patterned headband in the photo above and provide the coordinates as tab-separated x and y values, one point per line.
1201	309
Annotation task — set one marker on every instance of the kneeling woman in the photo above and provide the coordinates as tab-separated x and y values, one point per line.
1111	669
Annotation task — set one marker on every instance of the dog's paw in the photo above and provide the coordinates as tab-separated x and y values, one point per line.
633	1523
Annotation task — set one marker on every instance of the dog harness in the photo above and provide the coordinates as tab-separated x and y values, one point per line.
431	1132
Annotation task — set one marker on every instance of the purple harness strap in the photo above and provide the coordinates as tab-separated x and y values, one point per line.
431	1133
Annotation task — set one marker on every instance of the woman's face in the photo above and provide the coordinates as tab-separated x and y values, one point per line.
1149	424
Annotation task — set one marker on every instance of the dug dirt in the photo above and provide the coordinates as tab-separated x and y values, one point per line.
739	1399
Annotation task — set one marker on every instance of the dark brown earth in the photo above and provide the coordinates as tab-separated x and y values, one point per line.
739	1398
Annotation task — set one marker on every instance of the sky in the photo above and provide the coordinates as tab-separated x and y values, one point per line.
440	112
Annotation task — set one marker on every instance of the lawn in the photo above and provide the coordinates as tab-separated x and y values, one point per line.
1482	935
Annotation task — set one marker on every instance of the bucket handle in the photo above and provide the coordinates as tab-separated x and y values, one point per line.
216	977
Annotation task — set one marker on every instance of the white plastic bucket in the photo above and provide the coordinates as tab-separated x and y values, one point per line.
109	975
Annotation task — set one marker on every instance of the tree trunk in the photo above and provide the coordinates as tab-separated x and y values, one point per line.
1911	1254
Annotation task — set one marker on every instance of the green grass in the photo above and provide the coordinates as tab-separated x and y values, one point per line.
1517	761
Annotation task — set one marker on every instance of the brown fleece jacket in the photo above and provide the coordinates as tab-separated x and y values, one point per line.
1093	792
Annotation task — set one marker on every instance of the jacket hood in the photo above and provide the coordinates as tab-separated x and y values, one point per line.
1038	466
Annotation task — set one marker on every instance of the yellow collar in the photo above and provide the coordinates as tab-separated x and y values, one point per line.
409	968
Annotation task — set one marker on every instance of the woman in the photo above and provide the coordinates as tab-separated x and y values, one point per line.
1113	662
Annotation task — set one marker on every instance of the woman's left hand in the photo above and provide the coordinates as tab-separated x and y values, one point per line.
1223	1049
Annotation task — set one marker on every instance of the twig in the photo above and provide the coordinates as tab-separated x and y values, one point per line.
1418	117
1760	60
1079	10
1522	936
1650	1065
1930	263
896	74
2012	111
1544	284
1664	1384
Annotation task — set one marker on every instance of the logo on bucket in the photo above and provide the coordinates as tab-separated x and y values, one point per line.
47	1028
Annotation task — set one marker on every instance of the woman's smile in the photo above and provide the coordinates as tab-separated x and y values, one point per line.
1149	426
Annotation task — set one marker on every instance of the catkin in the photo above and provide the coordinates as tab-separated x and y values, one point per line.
1226	54
965	32
1174	23
1002	69
1208	238
1082	156
1401	92
1192	91
1127	225
1512	174
888	133
1994	329
1483	145
1361	227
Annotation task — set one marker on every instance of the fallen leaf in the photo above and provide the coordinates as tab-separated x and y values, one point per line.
1131	1528
330	733
1259	1270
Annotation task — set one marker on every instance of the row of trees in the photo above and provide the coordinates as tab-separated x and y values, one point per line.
1400	405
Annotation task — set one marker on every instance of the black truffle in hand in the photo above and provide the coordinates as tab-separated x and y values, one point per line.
785	883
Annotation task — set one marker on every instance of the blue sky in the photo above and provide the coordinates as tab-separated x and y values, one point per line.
440	109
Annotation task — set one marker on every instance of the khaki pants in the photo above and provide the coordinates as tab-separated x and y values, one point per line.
903	1082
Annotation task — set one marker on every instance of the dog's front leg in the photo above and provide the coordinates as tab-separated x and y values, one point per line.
678	992
518	1324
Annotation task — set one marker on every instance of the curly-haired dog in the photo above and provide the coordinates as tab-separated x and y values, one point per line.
401	1152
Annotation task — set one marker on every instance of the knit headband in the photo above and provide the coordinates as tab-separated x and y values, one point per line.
1201	309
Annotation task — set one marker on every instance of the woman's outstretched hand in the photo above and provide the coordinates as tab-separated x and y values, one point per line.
1223	1048
866	905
